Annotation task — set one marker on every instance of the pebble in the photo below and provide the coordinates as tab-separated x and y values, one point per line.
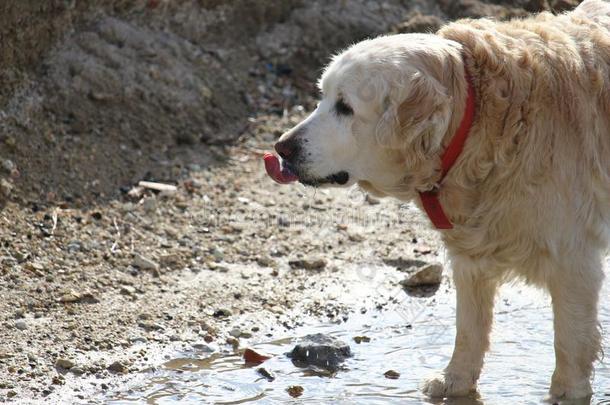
8	165
391	374
203	347
21	324
144	263
64	363
149	204
77	370
118	367
265	261
308	263
355	237
233	342
218	254
295	391
128	290
149	325
360	339
266	373
222	312
320	350
235	332
69	296
428	275
6	188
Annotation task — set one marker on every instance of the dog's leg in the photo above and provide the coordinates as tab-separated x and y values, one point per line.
475	298
575	292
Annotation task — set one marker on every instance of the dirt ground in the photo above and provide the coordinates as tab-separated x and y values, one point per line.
98	282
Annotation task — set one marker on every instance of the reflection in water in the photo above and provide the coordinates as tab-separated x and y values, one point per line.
414	338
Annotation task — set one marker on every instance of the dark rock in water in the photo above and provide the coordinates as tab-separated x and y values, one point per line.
266	373
360	339
392	374
321	351
295	391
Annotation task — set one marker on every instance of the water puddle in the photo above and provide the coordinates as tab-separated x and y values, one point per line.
414	338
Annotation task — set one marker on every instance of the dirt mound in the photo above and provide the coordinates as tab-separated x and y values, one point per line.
95	98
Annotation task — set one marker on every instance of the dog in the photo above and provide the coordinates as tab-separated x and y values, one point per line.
500	132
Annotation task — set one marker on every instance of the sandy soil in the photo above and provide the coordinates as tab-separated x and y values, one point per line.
230	249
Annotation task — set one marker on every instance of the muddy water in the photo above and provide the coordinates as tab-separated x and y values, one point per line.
414	337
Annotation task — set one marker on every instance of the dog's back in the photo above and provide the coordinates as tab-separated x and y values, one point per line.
596	10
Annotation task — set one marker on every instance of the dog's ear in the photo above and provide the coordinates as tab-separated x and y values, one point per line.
417	119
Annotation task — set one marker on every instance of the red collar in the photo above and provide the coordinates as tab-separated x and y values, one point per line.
429	199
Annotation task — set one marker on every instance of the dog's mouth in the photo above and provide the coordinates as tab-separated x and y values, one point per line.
340	178
285	173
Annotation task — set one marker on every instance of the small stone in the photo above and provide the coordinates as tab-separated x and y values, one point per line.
308	263
265	261
149	325
21	324
235	332
203	347
8	165
218	254
391	374
233	342
222	313
355	237
320	350
77	370
6	187
69	296
144	263
295	391
266	373
118	367
360	339
428	275
149	204
128	290
64	363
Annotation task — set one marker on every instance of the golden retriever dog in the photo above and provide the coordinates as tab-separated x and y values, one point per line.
528	193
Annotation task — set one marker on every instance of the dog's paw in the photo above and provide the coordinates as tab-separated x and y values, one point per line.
448	384
579	390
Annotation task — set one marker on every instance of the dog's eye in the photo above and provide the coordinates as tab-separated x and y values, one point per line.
342	108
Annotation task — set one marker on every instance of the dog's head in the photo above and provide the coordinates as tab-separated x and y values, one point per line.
386	106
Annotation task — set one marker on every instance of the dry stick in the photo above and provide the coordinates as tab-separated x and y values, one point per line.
54	217
118	236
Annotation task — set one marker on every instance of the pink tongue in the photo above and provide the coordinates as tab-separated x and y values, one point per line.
272	165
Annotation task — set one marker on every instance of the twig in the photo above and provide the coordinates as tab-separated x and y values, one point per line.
54	217
118	236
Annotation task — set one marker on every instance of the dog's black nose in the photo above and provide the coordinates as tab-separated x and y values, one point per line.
287	148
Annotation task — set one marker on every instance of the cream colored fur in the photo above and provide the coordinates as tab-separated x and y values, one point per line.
530	194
